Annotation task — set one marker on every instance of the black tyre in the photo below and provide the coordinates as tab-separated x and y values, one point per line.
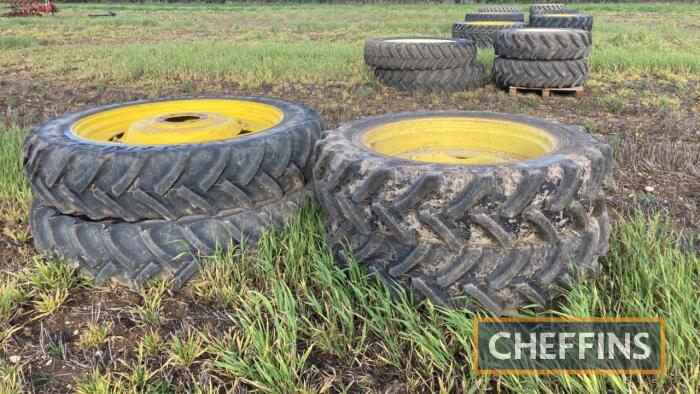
502	234
500	9
100	180
545	8
494	16
419	53
133	253
540	74
454	79
482	33
543	44
562	21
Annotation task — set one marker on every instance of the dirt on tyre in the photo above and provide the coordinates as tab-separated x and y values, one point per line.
450	80
134	253
171	158
540	73
543	44
467	207
563	21
494	16
416	53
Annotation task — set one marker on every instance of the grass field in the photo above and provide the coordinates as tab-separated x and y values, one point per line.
287	319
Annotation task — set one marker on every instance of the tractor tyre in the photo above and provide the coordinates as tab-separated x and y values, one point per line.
546	8
494	16
563	21
134	253
80	164
543	44
419	53
540	74
500	9
455	79
410	197
482	33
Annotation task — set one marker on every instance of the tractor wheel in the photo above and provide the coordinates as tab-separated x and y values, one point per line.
543	44
540	73
419	53
482	33
499	9
545	8
494	16
170	158
455	79
477	204
134	253
563	21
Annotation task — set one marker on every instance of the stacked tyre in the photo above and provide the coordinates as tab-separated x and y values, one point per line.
437	64
505	14
541	58
483	33
503	209
536	9
564	19
137	191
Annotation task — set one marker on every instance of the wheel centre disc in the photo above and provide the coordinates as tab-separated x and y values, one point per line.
183	121
180	128
459	140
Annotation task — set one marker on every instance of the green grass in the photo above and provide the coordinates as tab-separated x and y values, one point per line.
289	318
14	188
293	307
253	44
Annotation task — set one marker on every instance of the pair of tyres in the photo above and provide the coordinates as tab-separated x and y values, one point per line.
483	33
541	58
424	64
467	208
137	191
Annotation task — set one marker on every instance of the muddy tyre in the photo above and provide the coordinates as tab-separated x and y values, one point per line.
419	53
543	44
545	8
455	79
133	253
563	21
540	74
75	163
482	33
500	9
500	233
494	16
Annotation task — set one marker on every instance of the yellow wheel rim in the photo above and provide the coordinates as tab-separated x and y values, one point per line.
178	122
459	140
495	23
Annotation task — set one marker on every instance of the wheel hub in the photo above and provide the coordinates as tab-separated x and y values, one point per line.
182	128
459	140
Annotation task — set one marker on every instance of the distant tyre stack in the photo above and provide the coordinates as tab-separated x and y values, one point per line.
437	64
541	58
502	14
483	33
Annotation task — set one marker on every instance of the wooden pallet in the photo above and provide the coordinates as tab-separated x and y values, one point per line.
546	92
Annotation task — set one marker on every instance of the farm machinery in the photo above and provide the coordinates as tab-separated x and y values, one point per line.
29	8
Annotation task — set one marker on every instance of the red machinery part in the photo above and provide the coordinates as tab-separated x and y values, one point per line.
29	8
